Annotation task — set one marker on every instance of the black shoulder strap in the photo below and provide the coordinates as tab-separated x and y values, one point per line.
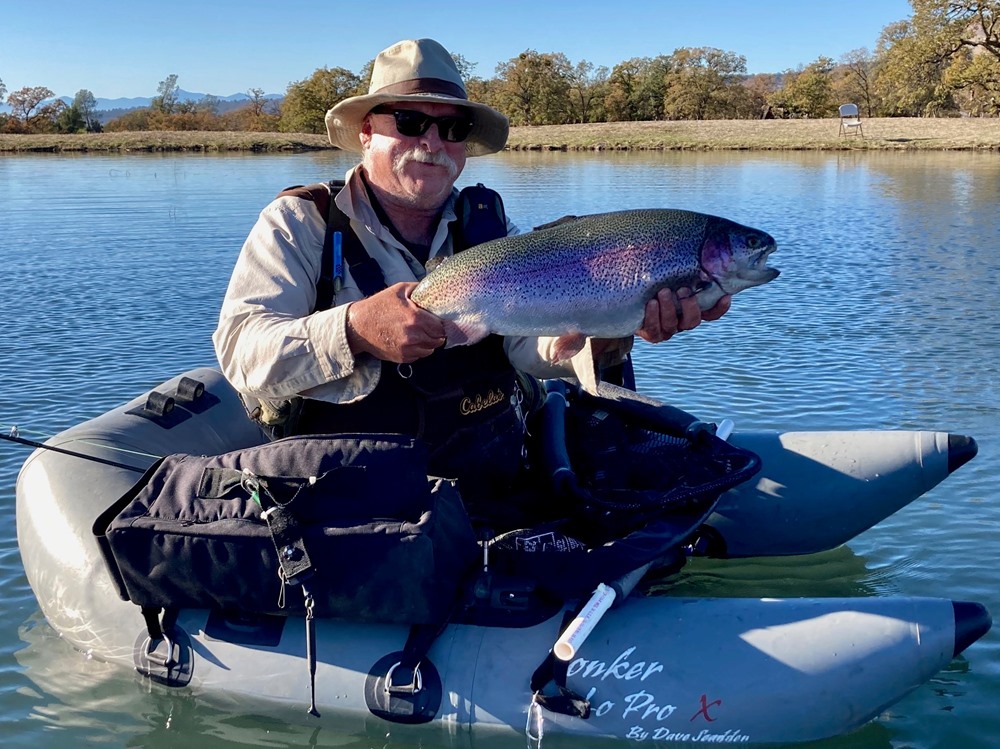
364	270
480	218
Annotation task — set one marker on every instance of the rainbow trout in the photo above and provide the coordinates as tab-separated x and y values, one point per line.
591	276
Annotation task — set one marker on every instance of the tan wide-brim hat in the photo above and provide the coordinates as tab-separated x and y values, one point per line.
416	70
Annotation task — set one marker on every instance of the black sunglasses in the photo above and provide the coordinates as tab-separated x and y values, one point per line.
411	123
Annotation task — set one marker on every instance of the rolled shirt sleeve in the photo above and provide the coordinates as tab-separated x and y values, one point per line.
269	342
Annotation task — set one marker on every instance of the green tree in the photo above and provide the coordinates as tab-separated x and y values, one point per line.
959	41
7	123
207	105
702	83
85	103
637	89
650	94
974	83
961	25
808	92
70	120
908	72
306	102
587	89
534	88
620	102
165	100
465	67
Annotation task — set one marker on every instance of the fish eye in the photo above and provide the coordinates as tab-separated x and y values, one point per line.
753	241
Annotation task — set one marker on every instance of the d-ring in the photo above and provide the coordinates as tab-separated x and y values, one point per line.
406	373
149	652
415	685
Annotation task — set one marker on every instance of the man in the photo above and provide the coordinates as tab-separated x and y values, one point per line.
373	361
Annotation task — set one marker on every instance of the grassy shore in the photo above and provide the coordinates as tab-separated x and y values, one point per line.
884	134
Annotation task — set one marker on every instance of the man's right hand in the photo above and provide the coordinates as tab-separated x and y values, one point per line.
389	326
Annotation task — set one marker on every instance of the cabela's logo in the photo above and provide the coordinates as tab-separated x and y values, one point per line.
480	402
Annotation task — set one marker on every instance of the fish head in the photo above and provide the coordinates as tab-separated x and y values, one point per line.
735	256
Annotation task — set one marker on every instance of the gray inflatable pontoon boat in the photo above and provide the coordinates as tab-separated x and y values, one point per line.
673	670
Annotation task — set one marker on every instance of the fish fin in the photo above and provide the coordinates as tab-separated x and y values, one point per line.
585	368
463	334
567	346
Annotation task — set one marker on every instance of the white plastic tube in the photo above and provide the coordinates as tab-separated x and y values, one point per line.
578	630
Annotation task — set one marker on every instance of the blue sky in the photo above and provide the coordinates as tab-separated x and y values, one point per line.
116	48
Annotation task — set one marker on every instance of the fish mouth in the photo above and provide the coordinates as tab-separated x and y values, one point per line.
758	264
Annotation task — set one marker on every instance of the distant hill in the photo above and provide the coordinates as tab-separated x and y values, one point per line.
109	109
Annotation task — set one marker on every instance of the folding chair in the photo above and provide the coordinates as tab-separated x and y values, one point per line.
850	120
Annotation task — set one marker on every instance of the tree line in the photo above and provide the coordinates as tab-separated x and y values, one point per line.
942	61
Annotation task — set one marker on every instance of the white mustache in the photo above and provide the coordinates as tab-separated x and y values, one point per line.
417	154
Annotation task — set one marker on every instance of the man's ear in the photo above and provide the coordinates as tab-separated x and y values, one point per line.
366	131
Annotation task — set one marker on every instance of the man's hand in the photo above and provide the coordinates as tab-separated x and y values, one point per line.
389	326
668	313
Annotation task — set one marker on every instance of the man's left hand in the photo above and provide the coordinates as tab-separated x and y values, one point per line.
668	313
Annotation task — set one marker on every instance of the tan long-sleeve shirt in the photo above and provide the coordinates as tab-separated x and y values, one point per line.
270	343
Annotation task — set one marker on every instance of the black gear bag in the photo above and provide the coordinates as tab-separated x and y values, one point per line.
354	519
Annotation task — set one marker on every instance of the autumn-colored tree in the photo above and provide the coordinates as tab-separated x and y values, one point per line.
485	91
306	102
137	119
25	102
754	101
260	115
853	81
31	112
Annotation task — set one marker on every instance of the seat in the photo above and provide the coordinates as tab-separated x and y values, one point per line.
850	121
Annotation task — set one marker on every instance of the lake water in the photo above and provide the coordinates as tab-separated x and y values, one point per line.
886	315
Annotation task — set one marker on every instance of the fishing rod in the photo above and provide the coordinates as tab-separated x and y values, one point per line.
15	437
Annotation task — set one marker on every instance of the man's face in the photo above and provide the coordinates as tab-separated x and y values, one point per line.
418	171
